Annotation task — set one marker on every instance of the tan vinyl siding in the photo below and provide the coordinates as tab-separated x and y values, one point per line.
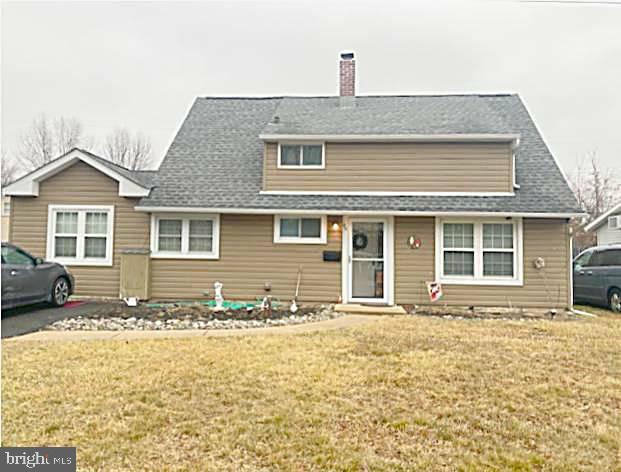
407	167
80	184
413	267
542	238
5	228
248	259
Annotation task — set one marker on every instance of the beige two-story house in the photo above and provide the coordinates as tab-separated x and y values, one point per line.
370	197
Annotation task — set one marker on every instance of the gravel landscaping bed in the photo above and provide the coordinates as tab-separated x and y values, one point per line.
491	313
118	317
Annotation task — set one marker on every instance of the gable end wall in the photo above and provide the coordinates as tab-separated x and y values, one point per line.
80	184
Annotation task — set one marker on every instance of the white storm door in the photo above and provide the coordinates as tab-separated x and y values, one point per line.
368	267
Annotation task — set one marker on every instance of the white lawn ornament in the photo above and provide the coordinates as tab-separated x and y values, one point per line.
131	301
218	297
266	304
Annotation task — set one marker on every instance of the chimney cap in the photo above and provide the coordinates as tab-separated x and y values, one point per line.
347	56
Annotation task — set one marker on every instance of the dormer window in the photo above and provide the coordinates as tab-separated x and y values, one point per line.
301	156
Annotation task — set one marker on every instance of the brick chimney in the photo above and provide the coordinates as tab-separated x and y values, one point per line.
347	75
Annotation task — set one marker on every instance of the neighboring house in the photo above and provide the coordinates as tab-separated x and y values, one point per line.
371	197
607	227
6	217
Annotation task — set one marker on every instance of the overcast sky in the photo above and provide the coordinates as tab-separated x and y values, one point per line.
140	65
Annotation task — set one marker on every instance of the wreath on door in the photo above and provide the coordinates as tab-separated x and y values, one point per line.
360	241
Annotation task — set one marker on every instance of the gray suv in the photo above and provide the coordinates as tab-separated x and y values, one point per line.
597	277
27	279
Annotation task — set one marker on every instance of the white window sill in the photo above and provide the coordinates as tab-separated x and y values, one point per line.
82	262
305	167
179	255
490	281
300	241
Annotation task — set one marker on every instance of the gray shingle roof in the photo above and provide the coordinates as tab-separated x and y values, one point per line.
455	114
215	161
141	177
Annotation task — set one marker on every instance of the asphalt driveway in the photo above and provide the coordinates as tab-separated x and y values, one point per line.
24	320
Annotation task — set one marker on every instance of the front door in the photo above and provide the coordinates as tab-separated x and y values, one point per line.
368	261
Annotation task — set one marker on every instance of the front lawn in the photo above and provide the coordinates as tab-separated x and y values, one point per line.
397	394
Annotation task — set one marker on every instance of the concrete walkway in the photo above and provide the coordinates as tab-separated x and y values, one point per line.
347	321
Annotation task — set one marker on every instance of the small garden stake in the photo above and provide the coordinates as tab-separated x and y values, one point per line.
294	306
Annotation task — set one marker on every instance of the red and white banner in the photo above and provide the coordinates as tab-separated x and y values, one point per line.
435	291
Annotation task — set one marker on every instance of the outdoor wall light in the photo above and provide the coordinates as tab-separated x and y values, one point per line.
335	226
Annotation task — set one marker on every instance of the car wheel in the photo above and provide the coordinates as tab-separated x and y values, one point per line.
60	291
614	300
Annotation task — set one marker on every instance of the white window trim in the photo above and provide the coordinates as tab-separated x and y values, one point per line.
479	278
185	236
513	164
617	222
6	202
52	210
300	240
301	144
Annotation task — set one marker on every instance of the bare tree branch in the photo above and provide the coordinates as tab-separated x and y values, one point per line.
36	144
130	151
8	170
67	134
596	187
44	141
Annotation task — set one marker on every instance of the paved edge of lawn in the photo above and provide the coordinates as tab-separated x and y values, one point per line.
346	321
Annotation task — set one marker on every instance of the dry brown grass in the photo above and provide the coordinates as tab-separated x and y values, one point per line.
399	394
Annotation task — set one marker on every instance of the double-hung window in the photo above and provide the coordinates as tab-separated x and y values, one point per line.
300	229
80	234
301	156
479	252
187	237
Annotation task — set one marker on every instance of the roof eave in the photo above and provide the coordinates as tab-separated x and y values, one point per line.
333	211
28	185
597	222
475	137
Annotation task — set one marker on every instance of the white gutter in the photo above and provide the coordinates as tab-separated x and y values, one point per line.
491	138
583	313
289	211
378	193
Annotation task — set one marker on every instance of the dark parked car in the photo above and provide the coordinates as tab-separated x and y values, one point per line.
27	279
597	277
